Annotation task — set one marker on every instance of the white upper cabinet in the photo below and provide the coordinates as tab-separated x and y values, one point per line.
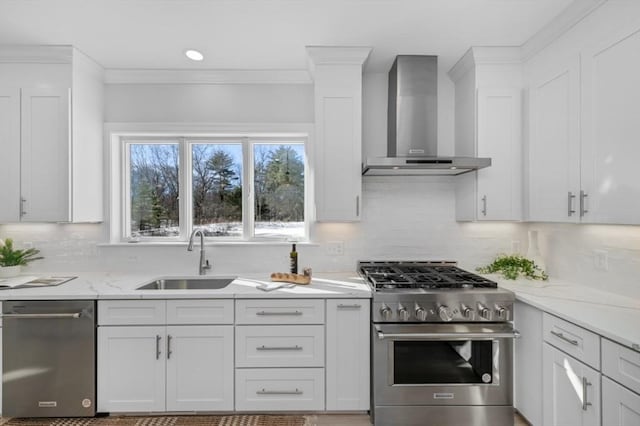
581	145
9	154
610	146
337	74
554	141
51	134
488	123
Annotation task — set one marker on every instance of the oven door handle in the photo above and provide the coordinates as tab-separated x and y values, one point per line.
448	336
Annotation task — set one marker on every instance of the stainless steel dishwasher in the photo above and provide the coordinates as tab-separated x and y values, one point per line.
49	358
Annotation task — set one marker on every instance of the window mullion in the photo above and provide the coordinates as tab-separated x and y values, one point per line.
126	191
185	203
247	189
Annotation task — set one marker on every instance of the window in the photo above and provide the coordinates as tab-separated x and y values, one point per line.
238	188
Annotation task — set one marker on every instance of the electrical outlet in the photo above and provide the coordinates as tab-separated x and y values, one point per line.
515	246
335	248
601	260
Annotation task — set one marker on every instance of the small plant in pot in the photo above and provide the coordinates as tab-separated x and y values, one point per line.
12	259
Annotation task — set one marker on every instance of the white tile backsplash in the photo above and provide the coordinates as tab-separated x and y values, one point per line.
403	218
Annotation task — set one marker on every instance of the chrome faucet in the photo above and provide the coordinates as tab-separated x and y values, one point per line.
204	264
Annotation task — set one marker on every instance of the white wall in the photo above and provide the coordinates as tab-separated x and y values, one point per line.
214	103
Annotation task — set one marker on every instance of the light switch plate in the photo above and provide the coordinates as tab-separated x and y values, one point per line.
335	248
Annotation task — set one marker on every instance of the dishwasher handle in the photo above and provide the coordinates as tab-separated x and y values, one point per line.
43	316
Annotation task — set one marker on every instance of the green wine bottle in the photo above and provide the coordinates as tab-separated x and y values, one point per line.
293	260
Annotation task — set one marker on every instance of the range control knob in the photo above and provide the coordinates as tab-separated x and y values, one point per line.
385	312
421	313
502	312
468	312
403	314
445	313
484	311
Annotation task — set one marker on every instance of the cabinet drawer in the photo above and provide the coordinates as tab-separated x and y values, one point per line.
280	311
280	346
131	312
620	406
275	389
621	364
207	311
576	341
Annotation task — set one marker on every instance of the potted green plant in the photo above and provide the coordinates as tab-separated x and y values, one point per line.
12	259
513	266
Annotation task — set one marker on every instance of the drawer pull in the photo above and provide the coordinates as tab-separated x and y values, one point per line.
264	313
158	338
354	306
279	348
585	404
563	337
277	392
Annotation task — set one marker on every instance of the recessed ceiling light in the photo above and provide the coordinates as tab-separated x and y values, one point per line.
194	55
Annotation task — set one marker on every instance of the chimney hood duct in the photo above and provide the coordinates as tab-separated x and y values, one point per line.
412	143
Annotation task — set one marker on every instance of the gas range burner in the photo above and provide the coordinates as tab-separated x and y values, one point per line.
389	276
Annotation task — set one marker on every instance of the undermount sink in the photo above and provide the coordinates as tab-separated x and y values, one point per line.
204	283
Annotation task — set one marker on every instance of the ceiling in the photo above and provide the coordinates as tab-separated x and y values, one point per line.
269	34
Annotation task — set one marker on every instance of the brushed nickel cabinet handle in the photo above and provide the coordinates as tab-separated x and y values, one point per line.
353	306
563	337
169	352
570	197
282	392
268	313
158	353
484	205
279	348
585	403
583	209
22	210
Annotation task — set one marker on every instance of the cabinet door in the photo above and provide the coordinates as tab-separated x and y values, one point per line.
571	390
528	362
131	369
9	155
199	368
620	406
554	142
499	137
347	364
45	155
610	111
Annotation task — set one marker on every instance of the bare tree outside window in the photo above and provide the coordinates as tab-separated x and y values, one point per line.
154	191
217	189
279	190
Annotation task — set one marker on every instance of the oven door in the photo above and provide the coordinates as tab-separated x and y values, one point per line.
442	364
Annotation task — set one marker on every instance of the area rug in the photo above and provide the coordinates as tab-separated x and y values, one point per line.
247	420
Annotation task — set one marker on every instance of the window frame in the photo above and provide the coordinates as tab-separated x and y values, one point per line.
120	213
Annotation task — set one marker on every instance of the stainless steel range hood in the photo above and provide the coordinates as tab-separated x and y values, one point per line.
412	144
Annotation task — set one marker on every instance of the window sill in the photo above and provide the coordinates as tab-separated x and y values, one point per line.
209	243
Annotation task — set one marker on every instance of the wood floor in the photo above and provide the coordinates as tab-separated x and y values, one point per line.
363	420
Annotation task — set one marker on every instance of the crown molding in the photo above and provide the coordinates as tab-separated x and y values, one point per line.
485	55
567	19
337	55
175	76
36	54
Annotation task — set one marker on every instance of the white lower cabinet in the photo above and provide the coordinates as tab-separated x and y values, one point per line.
165	368
199	368
571	390
280	389
620	406
528	362
348	355
131	369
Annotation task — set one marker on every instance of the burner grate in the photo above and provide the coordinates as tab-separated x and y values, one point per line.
421	275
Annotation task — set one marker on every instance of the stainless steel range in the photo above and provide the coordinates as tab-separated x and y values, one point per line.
442	346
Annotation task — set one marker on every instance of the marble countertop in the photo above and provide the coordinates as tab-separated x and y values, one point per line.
610	315
123	286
